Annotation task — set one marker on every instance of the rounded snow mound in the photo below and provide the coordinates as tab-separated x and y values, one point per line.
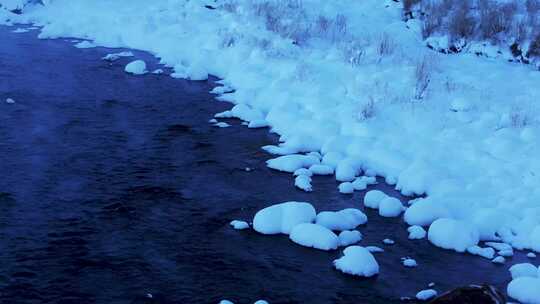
281	218
373	198
346	219
137	67
315	236
453	234
390	207
357	261
525	289
347	238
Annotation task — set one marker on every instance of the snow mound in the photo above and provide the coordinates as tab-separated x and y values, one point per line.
303	171
535	239
388	241
524	270
499	260
303	182
281	218
313	235
374	249
416	232
261	302
116	56
137	67
321	169
408	262
525	289
347	237
346	188
452	234
290	163
423	212
426	294
225	302
346	219
239	225
357	261
373	198
390	207
487	253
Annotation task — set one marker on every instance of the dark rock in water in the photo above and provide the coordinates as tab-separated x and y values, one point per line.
472	294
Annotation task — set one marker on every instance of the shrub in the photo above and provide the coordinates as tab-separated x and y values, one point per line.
422	77
460	22
534	48
386	46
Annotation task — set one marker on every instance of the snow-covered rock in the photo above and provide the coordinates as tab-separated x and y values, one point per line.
374	249
523	270
313	235
346	188
388	241
261	302
423	212
408	262
291	163
239	225
498	260
390	207
373	198
281	218
137	67
226	302
346	219
303	182
116	56
426	294
452	234
320	169
416	232
347	237
487	253
357	261
303	171
525	289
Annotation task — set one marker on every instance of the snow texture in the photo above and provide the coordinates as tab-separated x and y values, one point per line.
357	261
313	235
346	219
452	234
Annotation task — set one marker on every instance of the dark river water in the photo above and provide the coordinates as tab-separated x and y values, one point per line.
115	186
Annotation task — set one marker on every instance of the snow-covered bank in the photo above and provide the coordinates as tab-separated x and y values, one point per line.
469	142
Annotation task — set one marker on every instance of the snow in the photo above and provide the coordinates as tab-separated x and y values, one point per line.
452	234
225	302
361	183
470	144
303	171
390	207
531	255
137	67
313	235
373	198
374	249
281	218
347	237
535	239
303	182
116	56
239	225
261	302
416	232
158	71
10	100
346	219
498	260
321	169
291	163
357	261
85	45
525	289
523	270
487	253
388	241
222	125
20	30
408	262
346	188
426	294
